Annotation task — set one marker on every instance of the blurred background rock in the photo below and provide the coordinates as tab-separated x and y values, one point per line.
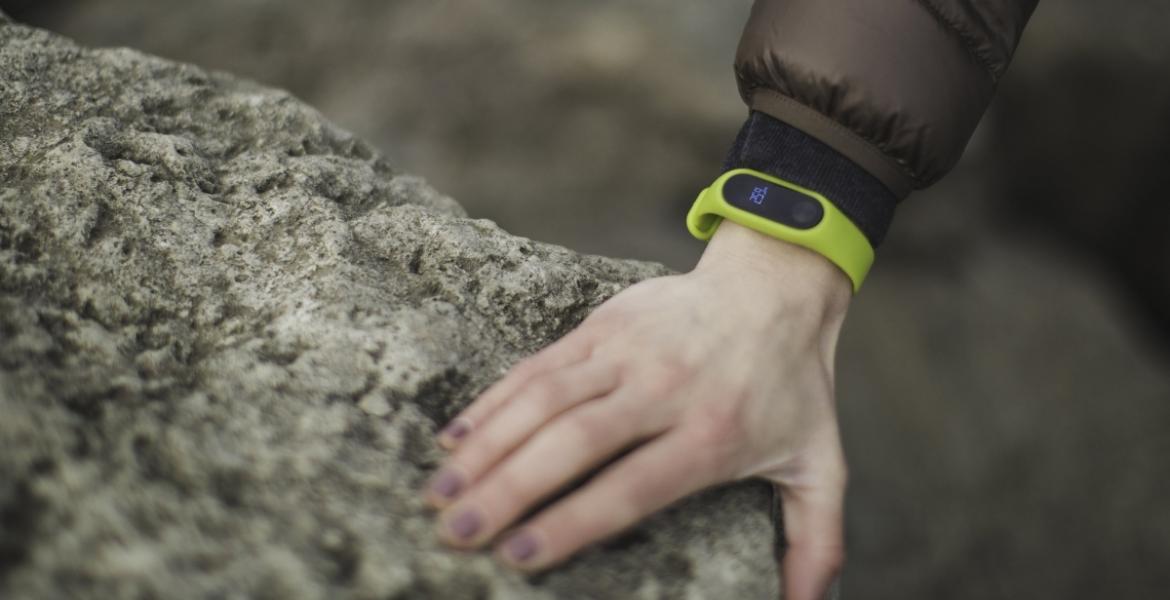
1003	379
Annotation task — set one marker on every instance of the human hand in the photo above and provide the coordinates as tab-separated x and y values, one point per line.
719	374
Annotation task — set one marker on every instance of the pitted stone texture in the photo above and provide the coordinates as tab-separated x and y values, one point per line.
228	331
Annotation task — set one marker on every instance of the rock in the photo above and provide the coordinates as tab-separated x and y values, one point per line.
591	89
228	331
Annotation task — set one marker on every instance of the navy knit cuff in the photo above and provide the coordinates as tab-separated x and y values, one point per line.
771	146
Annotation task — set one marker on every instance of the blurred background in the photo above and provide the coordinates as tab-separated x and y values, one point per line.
1004	378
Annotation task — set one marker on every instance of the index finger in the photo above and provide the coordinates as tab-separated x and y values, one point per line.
575	347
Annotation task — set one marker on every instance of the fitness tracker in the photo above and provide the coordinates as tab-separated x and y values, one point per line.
786	211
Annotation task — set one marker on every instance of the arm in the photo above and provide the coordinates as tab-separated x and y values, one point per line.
862	100
866	101
715	375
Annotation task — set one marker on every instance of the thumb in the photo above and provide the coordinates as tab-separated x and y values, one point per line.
814	535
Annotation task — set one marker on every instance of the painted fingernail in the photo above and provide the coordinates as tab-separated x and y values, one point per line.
521	547
447	484
465	525
456	430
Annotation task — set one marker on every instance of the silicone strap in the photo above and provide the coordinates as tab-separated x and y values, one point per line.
835	236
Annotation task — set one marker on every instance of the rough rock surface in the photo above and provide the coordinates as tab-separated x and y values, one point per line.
1004	407
228	331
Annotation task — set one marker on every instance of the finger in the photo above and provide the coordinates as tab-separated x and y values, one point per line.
539	401
815	537
573	348
653	476
567	448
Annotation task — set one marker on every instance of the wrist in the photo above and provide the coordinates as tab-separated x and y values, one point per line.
779	266
771	146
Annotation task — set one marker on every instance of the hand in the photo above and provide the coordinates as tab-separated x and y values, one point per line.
719	374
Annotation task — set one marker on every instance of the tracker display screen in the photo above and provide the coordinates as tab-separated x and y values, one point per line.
773	202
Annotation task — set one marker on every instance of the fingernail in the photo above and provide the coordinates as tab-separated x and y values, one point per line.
446	484
521	546
456	430
465	525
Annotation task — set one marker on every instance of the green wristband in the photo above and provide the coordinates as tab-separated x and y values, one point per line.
785	211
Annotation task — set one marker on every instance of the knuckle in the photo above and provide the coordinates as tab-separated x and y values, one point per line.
479	451
719	424
545	390
705	433
589	432
508	489
526	367
489	441
544	397
605	319
667	376
713	461
659	385
469	465
718	439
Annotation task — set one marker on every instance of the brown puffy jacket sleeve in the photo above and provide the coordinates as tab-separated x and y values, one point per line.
896	86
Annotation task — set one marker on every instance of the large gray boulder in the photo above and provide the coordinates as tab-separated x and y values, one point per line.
228	331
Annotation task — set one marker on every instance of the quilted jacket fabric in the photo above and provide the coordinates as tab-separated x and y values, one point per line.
896	86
